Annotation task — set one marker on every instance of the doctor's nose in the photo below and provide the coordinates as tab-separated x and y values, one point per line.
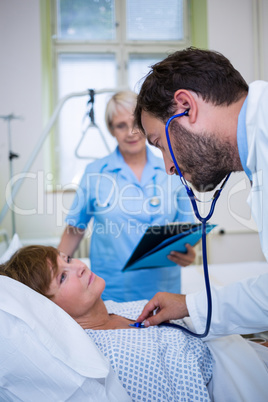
169	165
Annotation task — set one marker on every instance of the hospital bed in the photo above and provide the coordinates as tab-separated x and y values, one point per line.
45	355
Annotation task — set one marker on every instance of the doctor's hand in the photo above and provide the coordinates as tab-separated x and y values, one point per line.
166	306
183	259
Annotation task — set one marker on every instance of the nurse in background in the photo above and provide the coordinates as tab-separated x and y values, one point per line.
124	193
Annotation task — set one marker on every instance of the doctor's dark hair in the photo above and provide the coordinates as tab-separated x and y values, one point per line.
33	266
207	73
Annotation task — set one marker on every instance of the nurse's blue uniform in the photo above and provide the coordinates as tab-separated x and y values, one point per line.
110	193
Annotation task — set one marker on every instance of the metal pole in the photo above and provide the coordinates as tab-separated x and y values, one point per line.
11	156
42	138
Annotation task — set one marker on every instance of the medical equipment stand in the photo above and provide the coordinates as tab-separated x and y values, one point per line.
92	124
42	138
11	156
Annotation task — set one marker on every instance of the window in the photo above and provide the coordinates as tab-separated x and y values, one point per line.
105	44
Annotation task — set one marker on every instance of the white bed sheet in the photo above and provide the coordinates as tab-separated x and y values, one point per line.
46	356
239	372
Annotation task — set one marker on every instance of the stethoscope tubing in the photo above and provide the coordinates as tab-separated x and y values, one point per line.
154	201
203	221
108	199
208	291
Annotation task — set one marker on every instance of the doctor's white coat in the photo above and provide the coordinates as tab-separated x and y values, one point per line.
242	307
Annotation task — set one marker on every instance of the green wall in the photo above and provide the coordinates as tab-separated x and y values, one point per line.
199	32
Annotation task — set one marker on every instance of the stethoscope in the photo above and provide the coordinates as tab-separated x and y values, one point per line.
204	221
106	203
154	200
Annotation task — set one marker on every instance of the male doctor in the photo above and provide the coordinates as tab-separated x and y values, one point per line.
225	130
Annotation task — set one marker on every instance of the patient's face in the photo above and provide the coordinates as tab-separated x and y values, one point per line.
75	288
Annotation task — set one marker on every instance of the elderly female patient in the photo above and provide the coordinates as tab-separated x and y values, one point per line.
156	363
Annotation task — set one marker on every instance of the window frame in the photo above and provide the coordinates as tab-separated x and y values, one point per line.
122	49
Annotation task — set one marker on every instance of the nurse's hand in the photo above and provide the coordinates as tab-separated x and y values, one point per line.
167	306
183	259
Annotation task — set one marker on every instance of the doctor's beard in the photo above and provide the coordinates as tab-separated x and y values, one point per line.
202	156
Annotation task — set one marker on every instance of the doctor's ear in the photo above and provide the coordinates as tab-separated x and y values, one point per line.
185	102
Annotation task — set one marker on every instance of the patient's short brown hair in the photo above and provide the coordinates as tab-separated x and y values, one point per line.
34	266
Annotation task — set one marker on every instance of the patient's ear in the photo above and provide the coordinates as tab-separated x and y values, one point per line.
185	100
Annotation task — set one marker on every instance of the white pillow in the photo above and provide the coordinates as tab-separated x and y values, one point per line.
14	245
45	355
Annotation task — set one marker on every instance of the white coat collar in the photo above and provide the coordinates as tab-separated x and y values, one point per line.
255	108
257	136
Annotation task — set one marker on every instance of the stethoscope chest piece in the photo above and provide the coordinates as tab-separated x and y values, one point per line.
137	325
102	205
154	202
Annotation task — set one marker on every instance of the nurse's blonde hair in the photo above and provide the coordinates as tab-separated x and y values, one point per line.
123	100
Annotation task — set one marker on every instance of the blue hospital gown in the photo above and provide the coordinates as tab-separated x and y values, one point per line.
155	363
